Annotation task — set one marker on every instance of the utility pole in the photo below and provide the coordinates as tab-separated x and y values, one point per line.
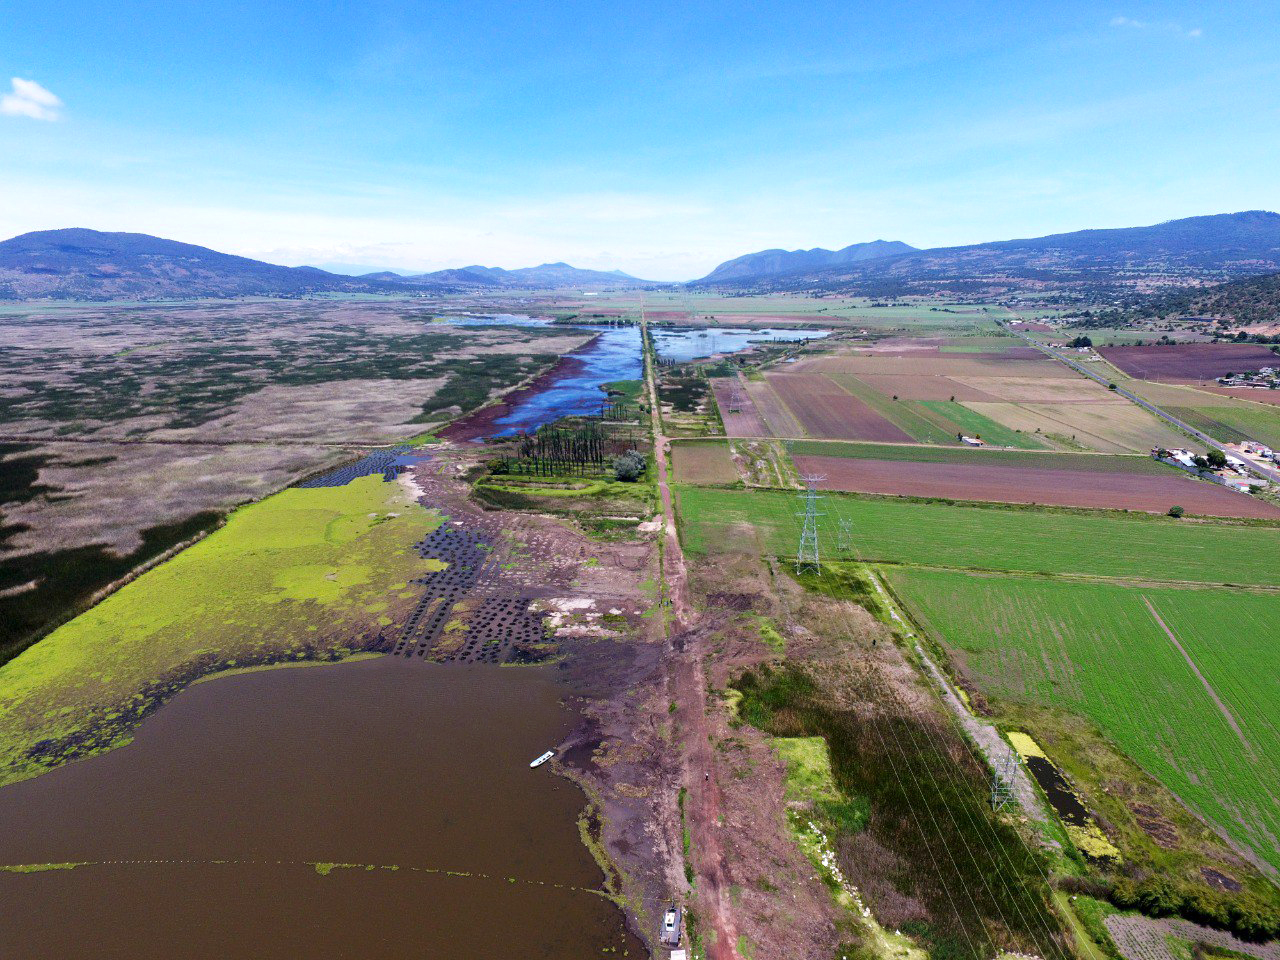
807	556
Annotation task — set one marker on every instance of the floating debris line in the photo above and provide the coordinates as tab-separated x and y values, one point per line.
322	867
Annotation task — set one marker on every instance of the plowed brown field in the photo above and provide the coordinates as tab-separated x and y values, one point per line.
829	412
1190	361
743	422
1063	488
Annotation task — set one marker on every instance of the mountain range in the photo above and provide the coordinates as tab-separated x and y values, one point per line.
1192	251
548	276
770	263
1195	252
81	264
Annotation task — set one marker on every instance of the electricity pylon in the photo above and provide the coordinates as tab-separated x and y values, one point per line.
807	556
1002	780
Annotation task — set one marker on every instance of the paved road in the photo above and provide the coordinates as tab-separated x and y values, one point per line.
1265	473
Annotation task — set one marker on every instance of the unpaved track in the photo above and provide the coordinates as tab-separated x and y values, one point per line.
1227	714
688	687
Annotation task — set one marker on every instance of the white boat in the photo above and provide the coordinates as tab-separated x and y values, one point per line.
542	759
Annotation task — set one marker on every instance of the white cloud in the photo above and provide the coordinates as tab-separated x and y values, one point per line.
1195	33
29	99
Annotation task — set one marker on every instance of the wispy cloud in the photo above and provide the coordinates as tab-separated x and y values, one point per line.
1194	33
29	99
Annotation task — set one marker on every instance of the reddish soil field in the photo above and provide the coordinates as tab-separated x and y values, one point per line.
1061	488
1246	393
828	412
746	421
1190	361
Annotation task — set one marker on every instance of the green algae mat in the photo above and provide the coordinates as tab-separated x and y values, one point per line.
305	574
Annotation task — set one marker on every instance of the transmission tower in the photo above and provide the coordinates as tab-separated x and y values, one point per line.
807	557
845	536
1002	780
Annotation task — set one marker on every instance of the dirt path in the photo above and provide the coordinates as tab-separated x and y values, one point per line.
1213	694
688	687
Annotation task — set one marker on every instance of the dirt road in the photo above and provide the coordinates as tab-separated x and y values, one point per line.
688	689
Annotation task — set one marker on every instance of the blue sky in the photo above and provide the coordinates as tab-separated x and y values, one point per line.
656	137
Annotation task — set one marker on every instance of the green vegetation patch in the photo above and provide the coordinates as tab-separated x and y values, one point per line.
1033	540
882	761
1046	460
1234	423
1201	719
974	424
304	574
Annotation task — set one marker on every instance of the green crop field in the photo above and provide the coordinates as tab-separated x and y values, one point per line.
992	538
1236	422
1097	649
300	574
979	425
1040	460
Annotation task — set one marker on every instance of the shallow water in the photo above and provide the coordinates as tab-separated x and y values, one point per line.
616	355
378	762
682	344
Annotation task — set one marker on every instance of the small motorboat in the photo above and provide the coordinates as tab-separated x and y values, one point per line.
542	759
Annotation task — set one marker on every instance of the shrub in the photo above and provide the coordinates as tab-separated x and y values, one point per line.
1176	511
629	466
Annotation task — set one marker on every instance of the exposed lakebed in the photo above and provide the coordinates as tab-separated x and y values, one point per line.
203	837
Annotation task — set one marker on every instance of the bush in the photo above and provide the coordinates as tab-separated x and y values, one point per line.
629	466
1176	511
1217	459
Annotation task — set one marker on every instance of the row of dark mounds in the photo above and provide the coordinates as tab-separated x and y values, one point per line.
500	630
389	463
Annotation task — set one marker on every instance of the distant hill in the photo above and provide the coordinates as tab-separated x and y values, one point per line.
548	276
80	264
90	265
1245	302
1179	252
772	263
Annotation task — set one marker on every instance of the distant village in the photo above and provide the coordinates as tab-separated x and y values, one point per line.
1226	469
1268	378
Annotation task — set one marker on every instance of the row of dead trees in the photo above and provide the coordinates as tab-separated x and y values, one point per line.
557	451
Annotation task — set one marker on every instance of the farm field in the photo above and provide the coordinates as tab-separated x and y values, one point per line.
737	409
1015	397
1190	361
917	316
825	410
773	413
1234	422
1107	426
704	461
1115	489
1201	719
1032	540
307	572
984	456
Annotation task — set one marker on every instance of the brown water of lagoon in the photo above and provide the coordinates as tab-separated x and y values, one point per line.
200	839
